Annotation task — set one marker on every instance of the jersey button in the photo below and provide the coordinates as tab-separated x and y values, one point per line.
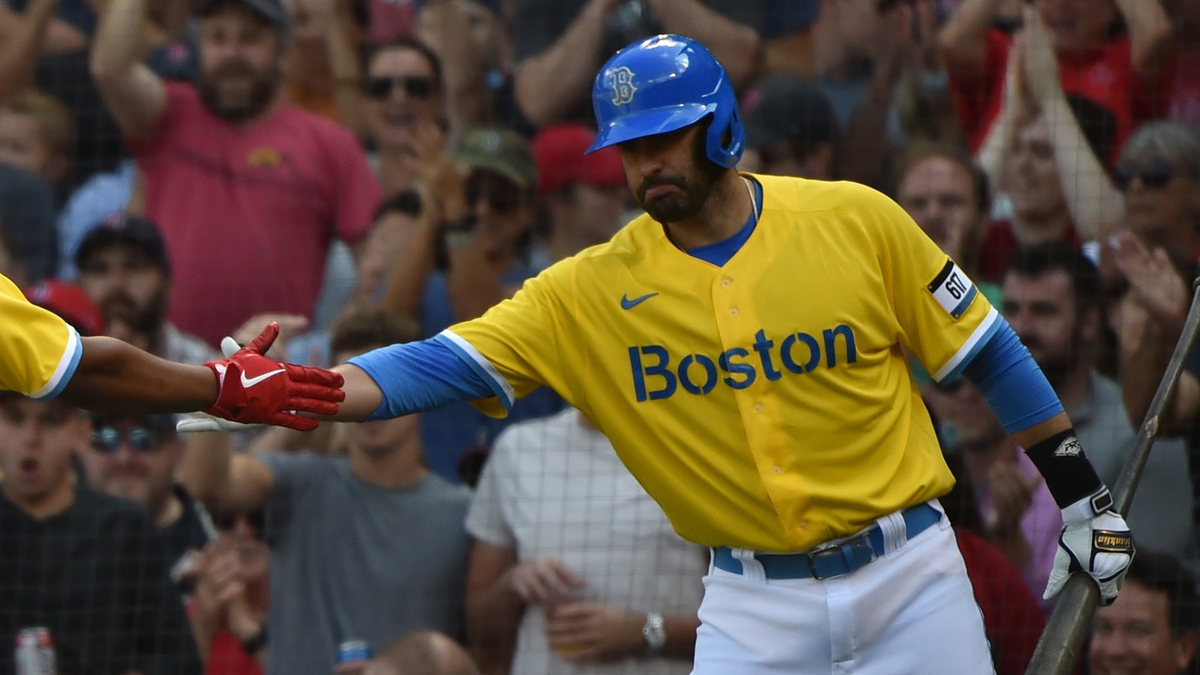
727	282
733	311
776	469
758	407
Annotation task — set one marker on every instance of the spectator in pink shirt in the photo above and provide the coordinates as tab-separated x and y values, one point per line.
247	190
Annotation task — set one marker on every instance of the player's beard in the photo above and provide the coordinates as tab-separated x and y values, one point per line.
241	108
673	206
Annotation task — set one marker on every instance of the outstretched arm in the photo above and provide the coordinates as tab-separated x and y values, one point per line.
244	387
363	396
408	378
113	375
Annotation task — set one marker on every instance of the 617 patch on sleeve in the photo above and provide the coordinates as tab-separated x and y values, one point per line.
953	290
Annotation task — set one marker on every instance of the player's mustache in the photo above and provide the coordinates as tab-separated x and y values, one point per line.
655	181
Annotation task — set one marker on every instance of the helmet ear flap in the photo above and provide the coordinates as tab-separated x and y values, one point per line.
726	139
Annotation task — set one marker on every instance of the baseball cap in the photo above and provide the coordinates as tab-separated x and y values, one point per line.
271	10
501	150
69	302
123	228
790	108
561	161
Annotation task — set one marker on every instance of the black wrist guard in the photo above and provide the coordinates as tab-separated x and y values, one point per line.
1068	473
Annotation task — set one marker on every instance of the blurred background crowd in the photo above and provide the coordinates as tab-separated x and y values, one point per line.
368	172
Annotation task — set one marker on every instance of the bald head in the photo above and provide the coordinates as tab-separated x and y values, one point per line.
422	653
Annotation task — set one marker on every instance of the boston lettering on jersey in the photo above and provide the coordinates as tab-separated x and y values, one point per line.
798	353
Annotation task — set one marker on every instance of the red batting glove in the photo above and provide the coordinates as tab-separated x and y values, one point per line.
253	389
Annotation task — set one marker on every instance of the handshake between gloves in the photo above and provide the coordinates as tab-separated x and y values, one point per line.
254	389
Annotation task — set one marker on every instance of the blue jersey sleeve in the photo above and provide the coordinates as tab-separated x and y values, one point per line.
419	376
1011	381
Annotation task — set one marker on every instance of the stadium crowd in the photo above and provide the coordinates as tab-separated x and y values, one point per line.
367	172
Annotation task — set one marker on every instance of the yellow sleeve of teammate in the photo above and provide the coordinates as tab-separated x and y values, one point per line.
519	342
39	352
943	316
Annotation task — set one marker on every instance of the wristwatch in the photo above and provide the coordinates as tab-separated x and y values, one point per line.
654	632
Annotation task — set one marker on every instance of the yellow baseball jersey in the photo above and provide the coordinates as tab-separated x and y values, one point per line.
39	352
765	404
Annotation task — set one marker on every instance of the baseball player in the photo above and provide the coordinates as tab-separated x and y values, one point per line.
44	357
743	345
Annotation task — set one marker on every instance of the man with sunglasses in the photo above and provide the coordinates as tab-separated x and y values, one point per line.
404	114
91	568
247	190
135	457
1159	175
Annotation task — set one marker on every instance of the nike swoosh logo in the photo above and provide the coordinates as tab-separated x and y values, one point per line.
246	384
626	303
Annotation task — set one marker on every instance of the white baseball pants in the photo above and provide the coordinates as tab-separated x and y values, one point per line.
909	612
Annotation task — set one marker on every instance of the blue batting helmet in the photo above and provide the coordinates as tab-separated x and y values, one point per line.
662	84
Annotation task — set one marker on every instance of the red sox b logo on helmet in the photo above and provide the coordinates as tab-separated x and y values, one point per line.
622	84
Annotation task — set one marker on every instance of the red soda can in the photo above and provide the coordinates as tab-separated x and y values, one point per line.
35	652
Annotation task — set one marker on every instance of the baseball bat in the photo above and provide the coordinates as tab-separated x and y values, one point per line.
1059	645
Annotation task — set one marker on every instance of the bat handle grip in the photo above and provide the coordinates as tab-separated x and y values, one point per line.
1059	647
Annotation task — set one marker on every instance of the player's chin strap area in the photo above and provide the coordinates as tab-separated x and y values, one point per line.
835	560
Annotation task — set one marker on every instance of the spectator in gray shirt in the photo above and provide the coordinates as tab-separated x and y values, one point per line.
1052	301
365	546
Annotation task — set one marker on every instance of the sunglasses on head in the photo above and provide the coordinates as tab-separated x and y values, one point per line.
1154	175
503	195
415	86
108	439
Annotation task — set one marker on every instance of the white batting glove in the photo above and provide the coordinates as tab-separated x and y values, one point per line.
1094	540
197	422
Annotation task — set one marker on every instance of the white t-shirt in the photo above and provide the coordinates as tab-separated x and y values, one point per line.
554	488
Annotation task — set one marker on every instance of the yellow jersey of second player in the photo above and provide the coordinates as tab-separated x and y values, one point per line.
38	350
765	404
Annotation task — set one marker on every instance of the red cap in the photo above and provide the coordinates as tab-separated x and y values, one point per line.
69	302
561	162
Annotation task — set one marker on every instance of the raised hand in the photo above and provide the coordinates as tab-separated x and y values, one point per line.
1153	281
1040	63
